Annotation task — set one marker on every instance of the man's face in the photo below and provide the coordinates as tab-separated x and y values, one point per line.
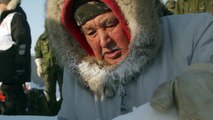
170	5
106	38
3	7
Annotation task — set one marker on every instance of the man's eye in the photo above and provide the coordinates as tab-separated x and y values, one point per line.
111	23
91	33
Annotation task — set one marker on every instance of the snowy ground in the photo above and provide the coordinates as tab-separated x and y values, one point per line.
145	112
27	118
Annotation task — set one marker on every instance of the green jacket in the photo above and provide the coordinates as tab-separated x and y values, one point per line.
43	51
194	6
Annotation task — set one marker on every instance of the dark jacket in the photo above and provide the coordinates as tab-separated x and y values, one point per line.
16	67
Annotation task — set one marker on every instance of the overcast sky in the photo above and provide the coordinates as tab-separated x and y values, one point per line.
35	14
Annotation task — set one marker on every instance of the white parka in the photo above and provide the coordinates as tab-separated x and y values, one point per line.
160	50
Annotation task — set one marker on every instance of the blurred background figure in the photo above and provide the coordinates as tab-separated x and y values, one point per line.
194	6
170	5
15	58
49	69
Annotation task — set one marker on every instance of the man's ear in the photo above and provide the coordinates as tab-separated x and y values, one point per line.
13	4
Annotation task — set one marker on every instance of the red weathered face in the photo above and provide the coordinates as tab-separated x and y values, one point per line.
3	7
106	37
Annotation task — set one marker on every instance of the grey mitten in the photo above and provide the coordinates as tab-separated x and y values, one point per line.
191	93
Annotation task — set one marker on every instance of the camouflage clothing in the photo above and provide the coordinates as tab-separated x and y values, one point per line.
52	72
194	6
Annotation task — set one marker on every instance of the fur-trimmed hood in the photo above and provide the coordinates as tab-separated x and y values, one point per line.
140	20
12	5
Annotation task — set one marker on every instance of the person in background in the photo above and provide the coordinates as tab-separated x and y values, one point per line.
118	53
49	69
194	6
170	5
15	57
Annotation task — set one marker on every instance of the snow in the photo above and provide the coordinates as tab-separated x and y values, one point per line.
4	117
145	112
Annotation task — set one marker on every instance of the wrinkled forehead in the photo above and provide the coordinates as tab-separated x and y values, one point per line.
4	1
170	3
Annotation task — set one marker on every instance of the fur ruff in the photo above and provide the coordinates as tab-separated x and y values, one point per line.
13	4
142	20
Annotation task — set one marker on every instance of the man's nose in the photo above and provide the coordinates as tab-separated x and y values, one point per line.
104	38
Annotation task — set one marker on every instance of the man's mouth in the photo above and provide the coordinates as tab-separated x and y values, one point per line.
113	54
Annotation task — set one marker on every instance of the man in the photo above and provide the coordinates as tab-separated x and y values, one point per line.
117	53
48	68
194	6
15	63
170	5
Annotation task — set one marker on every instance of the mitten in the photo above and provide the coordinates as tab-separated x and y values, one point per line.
191	93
